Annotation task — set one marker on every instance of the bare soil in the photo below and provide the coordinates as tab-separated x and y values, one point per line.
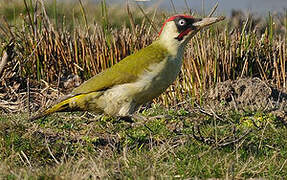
246	94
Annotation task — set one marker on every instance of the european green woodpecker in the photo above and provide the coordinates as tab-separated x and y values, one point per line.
138	78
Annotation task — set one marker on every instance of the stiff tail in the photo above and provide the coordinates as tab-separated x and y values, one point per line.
69	103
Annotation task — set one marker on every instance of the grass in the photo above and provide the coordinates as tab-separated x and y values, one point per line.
56	42
66	146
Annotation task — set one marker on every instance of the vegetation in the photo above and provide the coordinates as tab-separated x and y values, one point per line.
82	147
54	46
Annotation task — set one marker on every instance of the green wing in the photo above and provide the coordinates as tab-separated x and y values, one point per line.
126	71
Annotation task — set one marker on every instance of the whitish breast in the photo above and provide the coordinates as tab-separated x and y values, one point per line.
124	99
156	80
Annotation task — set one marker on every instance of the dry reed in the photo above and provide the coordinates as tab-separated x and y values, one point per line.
49	55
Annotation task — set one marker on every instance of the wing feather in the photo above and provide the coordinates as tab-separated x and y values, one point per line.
126	71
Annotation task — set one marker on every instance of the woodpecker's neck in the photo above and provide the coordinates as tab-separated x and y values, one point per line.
168	39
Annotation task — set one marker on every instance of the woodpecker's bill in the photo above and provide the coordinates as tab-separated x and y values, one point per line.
138	78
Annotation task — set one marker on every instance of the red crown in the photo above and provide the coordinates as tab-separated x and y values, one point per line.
172	18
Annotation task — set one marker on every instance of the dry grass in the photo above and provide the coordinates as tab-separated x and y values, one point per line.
49	54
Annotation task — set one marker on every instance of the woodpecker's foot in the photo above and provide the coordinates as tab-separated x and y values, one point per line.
126	119
133	119
140	118
140	121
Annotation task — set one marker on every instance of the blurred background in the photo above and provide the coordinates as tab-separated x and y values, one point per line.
226	6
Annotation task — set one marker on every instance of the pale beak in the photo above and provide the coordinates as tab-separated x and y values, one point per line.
200	23
204	22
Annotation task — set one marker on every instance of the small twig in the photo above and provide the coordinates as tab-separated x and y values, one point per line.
154	15
7	56
213	9
173	7
202	110
50	152
211	140
182	102
234	101
21	158
147	18
4	61
212	114
51	28
202	7
131	19
201	138
28	97
29	17
279	97
84	14
235	140
7	29
283	165
34	50
215	115
35	19
26	158
255	125
187	6
58	83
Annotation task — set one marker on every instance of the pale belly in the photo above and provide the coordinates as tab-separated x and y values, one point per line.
123	100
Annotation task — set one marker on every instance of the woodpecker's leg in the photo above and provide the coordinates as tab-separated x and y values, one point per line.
126	119
133	118
140	120
167	117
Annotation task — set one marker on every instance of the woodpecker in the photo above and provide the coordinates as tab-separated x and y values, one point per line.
138	78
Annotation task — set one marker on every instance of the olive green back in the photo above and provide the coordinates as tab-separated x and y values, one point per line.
126	71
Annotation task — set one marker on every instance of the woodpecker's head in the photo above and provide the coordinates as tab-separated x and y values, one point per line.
179	29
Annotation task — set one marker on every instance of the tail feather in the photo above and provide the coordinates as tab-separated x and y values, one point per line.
70	103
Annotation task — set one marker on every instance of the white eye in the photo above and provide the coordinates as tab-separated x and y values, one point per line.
181	22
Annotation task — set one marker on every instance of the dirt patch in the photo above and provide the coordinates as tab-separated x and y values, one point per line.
245	94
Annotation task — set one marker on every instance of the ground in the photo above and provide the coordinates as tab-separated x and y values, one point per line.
237	134
246	93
